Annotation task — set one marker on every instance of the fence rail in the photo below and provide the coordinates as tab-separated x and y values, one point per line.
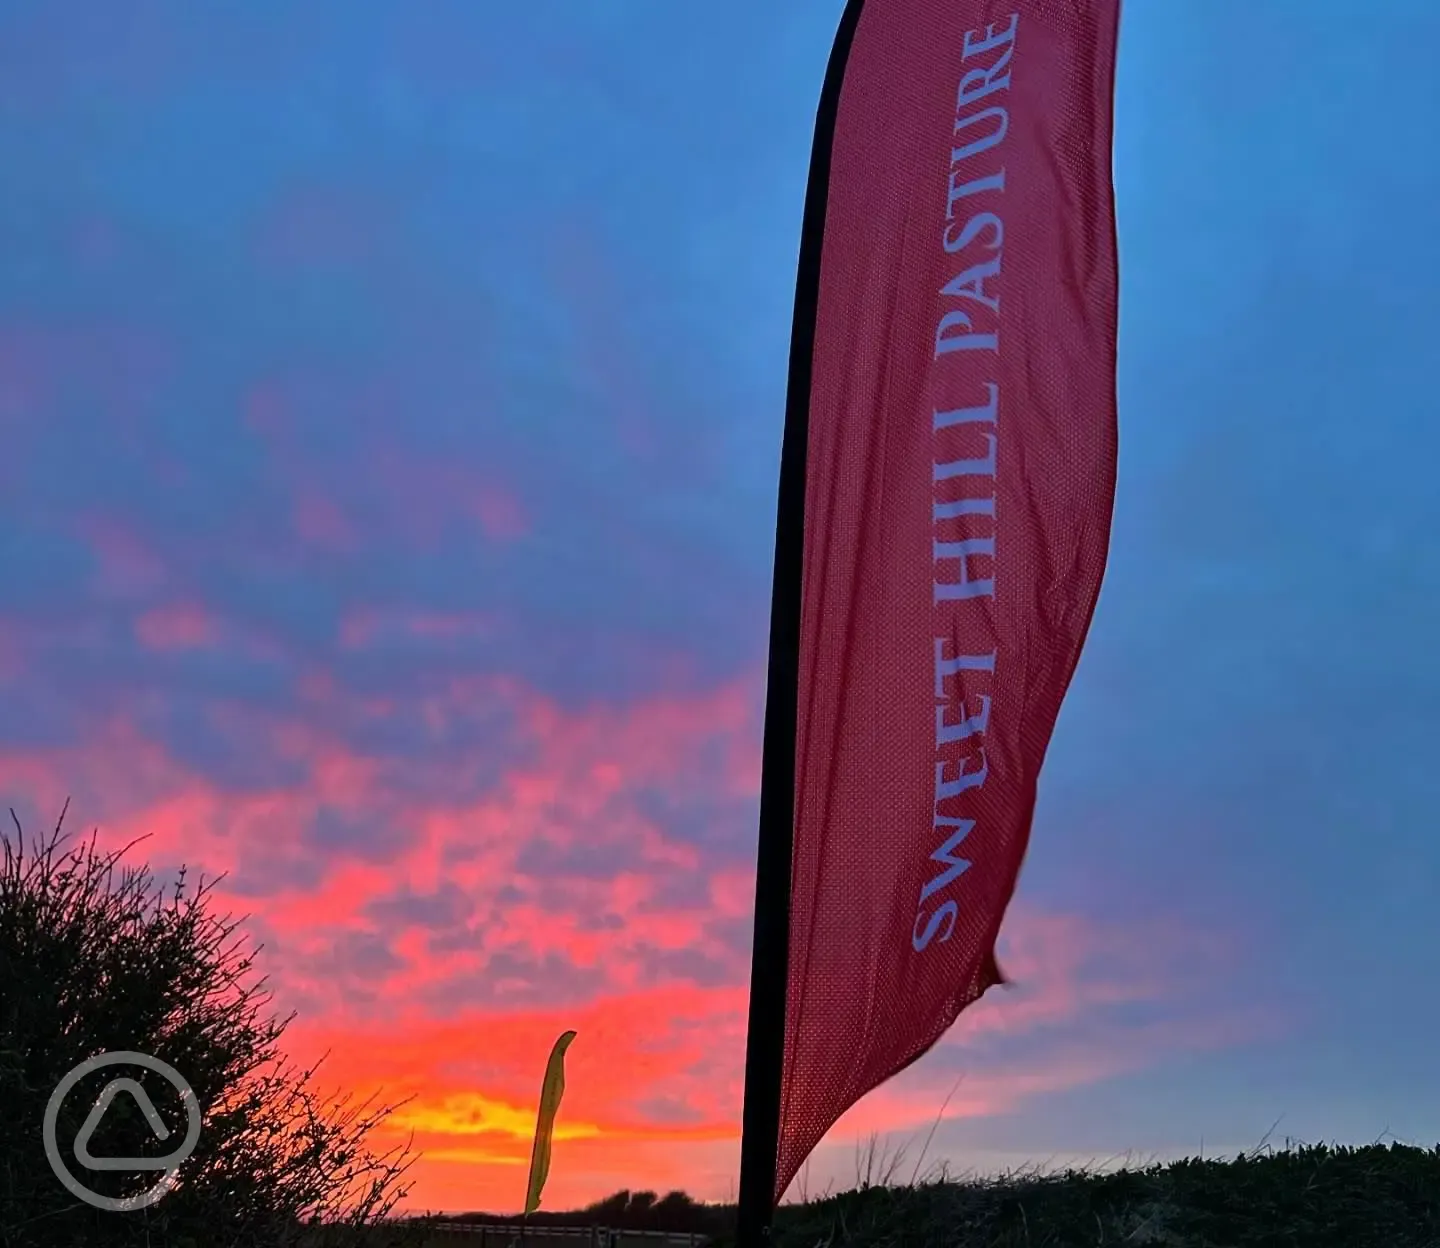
497	1235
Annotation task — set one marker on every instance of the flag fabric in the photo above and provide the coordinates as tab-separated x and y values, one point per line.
550	1093
960	459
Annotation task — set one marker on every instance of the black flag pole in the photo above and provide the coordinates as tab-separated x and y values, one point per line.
765	1039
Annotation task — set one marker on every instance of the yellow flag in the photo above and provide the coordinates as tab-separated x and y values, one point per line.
550	1094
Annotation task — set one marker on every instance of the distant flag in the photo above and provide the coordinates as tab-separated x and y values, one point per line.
550	1093
946	485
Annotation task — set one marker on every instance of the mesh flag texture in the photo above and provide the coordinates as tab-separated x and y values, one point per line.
959	484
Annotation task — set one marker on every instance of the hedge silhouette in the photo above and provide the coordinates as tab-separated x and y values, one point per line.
97	956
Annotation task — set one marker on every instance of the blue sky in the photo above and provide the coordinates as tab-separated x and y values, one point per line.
390	399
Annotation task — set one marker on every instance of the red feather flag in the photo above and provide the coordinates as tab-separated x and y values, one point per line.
947	482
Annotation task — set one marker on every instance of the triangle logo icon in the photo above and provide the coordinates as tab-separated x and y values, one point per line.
92	1120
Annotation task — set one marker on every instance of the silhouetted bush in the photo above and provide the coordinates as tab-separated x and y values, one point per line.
98	957
676	1212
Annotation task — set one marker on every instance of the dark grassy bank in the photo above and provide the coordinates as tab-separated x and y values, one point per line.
1379	1196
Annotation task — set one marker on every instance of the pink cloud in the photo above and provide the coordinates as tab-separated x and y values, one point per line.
358	629
321	523
122	369
500	514
448	625
179	626
1084	1049
613	362
26	385
363	626
264	411
135	55
319	225
656	1076
426	495
11	652
96	242
126	565
417	496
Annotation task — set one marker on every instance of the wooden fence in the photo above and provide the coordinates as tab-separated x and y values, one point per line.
495	1235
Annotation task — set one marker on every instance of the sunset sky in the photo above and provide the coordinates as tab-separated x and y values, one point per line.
390	408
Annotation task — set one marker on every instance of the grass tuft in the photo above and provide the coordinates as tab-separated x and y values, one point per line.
1299	1196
